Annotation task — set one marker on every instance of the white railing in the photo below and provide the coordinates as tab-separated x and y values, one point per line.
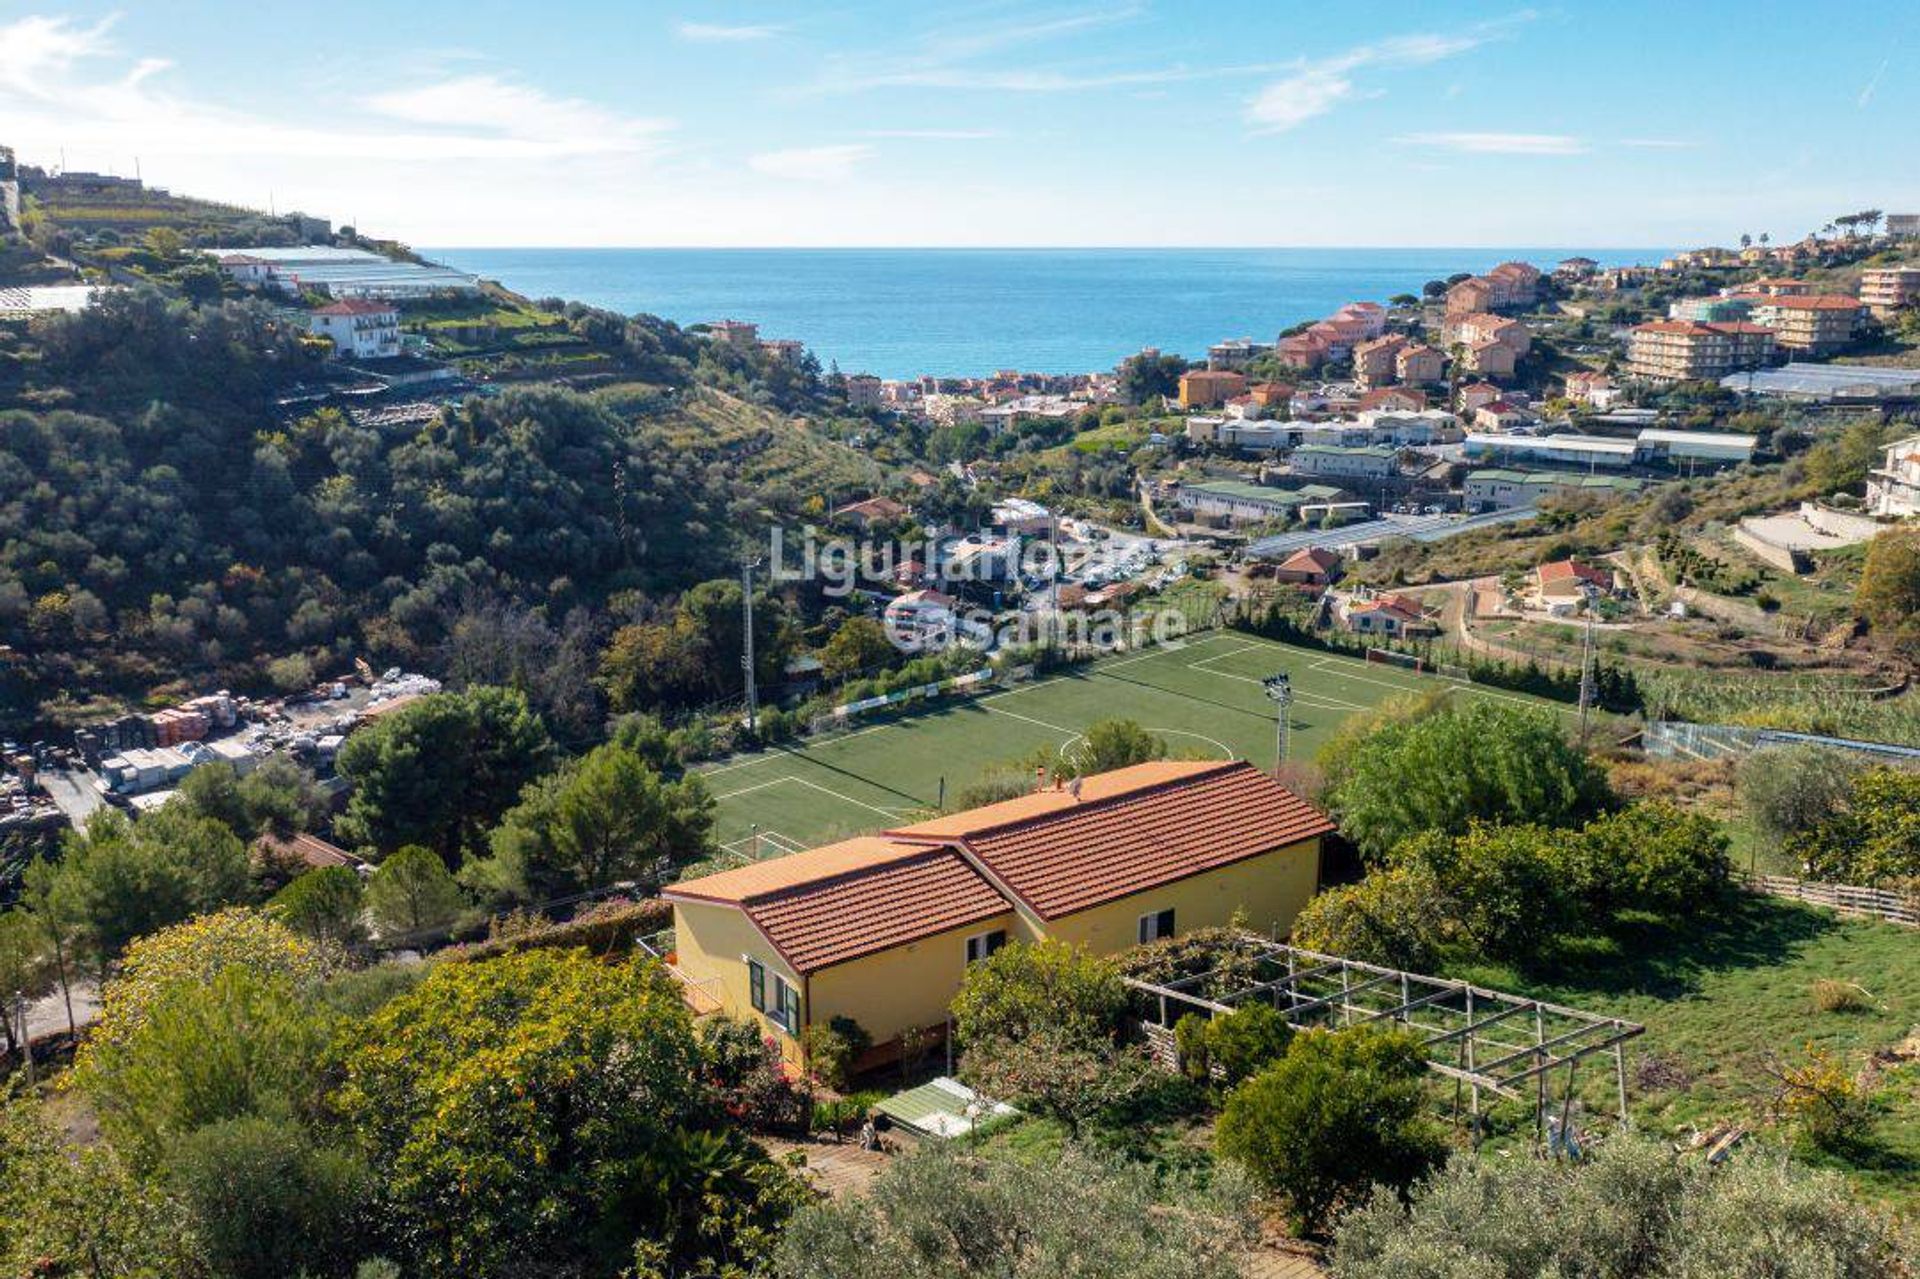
1848	899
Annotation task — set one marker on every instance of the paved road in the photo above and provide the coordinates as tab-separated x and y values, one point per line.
48	1015
1420	528
73	792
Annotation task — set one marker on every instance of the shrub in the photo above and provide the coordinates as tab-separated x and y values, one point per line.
1829	1106
1786	790
833	1049
1023	987
1231	1047
1398	917
1632	1210
1831	996
949	1213
1339	1113
259	1192
1448	769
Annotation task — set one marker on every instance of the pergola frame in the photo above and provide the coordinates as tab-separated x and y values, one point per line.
1484	1040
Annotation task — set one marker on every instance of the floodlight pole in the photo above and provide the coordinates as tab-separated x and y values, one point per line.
1280	689
746	646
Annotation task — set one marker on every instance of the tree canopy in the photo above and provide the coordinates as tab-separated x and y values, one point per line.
1444	770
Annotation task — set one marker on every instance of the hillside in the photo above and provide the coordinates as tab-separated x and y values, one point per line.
191	501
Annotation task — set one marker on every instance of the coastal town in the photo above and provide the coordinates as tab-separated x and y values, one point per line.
1472	729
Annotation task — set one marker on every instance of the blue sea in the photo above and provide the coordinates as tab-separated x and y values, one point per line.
962	312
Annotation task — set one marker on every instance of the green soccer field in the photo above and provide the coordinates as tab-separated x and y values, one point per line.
1204	697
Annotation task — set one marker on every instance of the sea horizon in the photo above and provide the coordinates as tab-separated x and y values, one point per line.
909	312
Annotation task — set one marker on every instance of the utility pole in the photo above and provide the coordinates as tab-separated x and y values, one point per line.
746	646
1586	665
1280	689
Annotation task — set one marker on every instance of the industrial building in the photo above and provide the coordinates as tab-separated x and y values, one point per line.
1499	489
1719	448
1372	461
340	273
1826	382
1244	503
1589	451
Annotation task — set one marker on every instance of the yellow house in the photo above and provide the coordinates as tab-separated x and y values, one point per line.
881	928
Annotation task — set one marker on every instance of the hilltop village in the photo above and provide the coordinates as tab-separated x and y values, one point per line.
494	786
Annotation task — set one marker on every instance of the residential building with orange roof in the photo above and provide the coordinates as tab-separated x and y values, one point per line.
1475	394
881	928
1515	284
1687	351
1309	566
1302	350
1488	358
1475	293
1403	398
1809	324
1419	364
1206	388
1374	361
1484	326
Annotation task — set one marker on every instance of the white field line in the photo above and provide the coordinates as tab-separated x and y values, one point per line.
1469	686
824	790
1161	650
1314	701
1070	732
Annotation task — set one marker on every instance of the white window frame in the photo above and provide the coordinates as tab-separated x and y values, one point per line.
980	947
1147	928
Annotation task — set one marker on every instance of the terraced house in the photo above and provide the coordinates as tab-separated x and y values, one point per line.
881	928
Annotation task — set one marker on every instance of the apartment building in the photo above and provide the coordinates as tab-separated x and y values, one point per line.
1489	358
1418	364
1884	290
1486	327
1206	388
1685	351
1375	363
1302	351
360	329
1893	488
1811	324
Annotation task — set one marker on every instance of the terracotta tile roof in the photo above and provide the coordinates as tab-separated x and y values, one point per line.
838	902
1168	821
1314	559
1814	302
818	925
308	850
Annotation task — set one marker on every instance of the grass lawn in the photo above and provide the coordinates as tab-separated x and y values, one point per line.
1726	988
1204	697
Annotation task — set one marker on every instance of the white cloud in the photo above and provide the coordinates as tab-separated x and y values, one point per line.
489	105
1287	104
811	164
1314	87
1659	144
1499	143
716	33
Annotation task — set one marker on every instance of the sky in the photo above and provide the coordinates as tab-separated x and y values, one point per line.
1151	123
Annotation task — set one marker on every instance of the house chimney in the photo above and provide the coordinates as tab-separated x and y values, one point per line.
1073	788
1039	778
1058	781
